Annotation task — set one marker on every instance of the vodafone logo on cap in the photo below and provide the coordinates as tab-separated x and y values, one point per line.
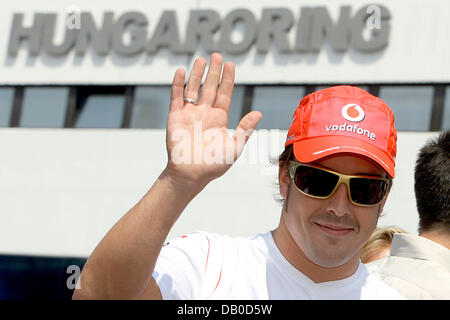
353	112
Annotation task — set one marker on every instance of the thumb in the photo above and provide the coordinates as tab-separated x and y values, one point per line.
249	121
245	129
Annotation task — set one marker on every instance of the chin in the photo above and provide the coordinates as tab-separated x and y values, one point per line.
333	260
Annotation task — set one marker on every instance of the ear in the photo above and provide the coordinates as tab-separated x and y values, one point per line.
284	180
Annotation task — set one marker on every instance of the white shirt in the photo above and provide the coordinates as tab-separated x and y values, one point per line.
204	265
417	267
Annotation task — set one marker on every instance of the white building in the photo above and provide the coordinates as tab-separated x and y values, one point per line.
84	92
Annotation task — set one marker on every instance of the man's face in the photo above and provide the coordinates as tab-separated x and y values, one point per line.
331	231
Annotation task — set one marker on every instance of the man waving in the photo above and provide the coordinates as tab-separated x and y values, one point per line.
335	175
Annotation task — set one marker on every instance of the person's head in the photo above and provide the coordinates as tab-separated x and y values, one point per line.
432	185
379	244
337	132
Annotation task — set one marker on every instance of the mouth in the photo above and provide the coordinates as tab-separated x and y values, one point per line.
334	230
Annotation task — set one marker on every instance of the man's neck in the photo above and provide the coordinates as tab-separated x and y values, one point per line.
291	251
437	236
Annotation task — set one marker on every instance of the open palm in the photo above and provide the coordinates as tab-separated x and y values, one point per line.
199	148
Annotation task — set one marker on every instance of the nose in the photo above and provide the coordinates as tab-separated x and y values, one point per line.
338	203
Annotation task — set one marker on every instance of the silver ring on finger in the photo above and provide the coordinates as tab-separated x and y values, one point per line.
190	100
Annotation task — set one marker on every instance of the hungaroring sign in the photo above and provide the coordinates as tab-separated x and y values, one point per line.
205	28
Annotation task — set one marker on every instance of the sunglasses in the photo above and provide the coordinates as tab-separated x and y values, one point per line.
321	183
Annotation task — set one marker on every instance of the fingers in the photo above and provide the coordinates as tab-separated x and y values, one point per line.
225	92
209	89
176	96
210	93
195	79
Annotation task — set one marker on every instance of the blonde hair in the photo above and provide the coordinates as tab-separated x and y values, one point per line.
380	239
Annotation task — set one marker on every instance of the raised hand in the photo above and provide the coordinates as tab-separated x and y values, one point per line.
198	146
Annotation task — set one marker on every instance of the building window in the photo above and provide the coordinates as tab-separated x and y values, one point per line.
148	106
6	102
44	107
277	104
365	88
34	277
411	106
100	107
151	107
235	111
446	116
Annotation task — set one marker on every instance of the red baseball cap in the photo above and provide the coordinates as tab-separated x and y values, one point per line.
344	119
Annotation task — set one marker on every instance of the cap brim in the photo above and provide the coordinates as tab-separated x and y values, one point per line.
313	149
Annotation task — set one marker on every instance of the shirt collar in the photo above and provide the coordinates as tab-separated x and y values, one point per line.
416	247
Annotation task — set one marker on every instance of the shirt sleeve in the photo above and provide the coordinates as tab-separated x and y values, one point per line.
180	270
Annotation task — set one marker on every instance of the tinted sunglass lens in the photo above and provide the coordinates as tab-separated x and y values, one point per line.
315	182
367	191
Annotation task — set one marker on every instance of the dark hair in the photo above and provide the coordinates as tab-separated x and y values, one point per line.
432	184
283	161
